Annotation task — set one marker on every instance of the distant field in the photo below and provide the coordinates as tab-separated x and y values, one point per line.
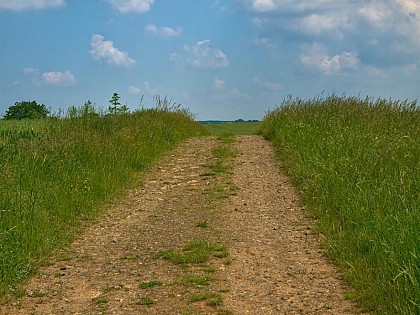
357	165
235	128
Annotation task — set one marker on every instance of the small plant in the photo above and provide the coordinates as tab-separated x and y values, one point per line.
212	299
224	311
203	224
100	300
194	280
150	284
145	301
195	252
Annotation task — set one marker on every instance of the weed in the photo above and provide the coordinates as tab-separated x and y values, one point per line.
203	224
150	284
100	300
212	298
194	280
195	252
145	301
224	311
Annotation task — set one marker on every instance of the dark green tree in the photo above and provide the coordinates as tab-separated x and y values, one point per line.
116	107
26	110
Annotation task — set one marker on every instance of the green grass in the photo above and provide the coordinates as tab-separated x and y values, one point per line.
57	172
357	165
211	298
195	252
145	301
150	284
239	128
195	280
202	224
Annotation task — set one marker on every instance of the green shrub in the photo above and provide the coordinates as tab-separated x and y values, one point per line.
26	110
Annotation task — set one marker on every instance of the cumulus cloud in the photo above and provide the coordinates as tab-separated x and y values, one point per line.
218	84
164	31
272	86
378	14
56	78
104	50
131	6
203	56
332	22
134	90
316	58
146	88
263	5
18	5
288	5
52	78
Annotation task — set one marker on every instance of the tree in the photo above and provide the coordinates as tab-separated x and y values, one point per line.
116	107
26	110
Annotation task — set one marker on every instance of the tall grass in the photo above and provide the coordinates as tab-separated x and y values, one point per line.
56	172
357	164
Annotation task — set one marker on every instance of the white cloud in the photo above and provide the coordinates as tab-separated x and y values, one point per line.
52	78
131	6
289	5
273	86
203	56
316	58
230	95
331	22
378	14
218	84
105	50
265	42
164	31
30	4
56	78
31	71
134	90
263	5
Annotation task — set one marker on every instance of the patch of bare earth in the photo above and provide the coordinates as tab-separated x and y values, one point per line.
127	263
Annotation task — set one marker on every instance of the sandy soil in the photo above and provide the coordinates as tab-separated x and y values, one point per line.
275	264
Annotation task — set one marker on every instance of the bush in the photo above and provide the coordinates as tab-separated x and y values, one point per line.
26	110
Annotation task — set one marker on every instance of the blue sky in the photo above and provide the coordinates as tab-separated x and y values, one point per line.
223	59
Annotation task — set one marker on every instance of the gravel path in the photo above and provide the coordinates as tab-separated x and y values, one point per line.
262	256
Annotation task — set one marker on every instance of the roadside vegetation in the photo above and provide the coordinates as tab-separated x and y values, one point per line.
357	165
57	172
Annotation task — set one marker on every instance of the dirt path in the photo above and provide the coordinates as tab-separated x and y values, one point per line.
204	235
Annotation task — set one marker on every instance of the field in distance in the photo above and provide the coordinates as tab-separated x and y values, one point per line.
235	128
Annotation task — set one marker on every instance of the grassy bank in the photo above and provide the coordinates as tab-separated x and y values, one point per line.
57	172
357	164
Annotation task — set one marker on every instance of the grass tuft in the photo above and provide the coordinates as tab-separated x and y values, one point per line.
150	284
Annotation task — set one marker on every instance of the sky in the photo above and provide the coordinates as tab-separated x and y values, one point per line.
222	59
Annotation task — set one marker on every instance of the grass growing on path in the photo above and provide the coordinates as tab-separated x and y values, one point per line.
57	172
357	163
